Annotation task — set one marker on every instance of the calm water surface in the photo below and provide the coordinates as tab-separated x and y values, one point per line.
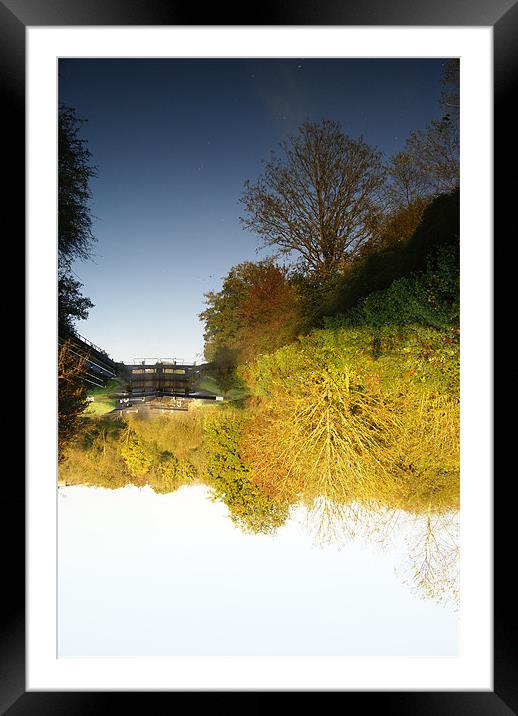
146	574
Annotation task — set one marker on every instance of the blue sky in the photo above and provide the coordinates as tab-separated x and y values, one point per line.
174	141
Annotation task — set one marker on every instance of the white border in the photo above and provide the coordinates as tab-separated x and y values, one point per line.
472	670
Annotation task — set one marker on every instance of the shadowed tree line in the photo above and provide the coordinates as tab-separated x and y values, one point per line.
75	241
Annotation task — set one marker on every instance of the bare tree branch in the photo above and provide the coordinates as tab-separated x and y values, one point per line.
319	200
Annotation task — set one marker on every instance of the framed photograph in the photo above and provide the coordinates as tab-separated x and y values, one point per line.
259	459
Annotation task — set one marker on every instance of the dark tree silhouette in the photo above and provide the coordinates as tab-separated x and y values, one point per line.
75	238
318	200
72	305
75	169
75	241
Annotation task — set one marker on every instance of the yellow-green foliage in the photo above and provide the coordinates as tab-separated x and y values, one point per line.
137	456
112	386
93	457
358	415
427	455
180	433
100	407
324	435
171	473
115	452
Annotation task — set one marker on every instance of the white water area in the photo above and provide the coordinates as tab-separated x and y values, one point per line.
146	574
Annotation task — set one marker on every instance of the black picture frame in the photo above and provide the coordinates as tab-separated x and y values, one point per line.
15	16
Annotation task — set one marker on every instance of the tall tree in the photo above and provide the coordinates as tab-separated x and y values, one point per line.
75	237
75	170
318	200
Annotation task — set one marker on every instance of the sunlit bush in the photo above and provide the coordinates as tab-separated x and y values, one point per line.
179	433
137	456
358	414
93	457
171	473
114	452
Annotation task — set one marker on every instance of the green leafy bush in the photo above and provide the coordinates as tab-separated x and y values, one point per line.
231	480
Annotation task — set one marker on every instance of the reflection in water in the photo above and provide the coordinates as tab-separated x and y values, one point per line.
433	558
429	542
146	574
369	446
113	454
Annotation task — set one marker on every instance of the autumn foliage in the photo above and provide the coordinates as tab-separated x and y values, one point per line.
256	311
